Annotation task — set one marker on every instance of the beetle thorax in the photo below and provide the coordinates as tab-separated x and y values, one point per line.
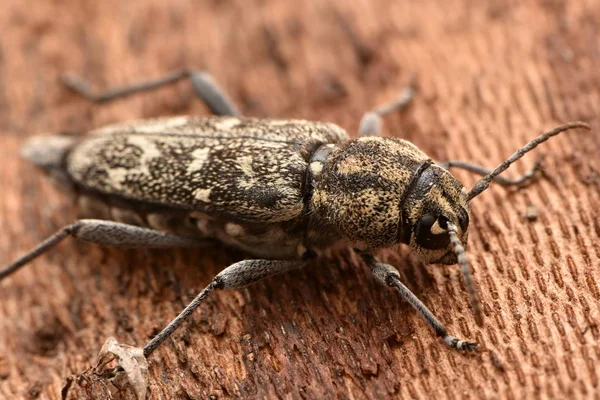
360	188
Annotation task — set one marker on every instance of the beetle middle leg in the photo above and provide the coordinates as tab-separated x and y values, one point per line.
107	233
235	276
371	122
479	170
203	84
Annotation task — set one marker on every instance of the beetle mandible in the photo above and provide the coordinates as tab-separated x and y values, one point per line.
281	190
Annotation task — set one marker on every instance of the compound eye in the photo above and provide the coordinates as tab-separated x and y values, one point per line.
432	232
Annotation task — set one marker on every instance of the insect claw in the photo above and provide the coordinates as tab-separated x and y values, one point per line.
461	345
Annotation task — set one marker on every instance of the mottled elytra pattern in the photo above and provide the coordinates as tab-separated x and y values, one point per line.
491	76
242	168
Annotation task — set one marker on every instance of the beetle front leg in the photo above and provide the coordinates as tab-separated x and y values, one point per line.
203	83
106	233
372	122
235	276
502	181
388	275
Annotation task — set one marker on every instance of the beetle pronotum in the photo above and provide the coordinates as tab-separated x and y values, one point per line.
281	190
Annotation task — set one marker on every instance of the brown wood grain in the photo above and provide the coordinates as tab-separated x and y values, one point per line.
491	75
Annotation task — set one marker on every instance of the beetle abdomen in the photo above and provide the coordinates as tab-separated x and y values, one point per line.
48	153
272	240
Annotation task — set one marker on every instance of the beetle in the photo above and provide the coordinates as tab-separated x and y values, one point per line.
281	190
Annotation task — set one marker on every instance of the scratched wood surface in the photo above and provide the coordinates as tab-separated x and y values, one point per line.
490	75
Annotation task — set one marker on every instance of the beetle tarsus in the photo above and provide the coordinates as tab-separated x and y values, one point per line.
461	345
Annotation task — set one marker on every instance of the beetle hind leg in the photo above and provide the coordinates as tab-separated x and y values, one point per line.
106	233
372	122
203	83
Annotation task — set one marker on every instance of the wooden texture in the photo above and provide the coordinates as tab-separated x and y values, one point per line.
491	76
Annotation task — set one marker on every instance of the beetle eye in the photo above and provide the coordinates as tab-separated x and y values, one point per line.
431	232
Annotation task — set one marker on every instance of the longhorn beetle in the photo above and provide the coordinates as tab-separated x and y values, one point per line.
281	190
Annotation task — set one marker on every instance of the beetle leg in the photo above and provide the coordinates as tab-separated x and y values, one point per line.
479	170
235	276
372	122
388	275
105	233
203	84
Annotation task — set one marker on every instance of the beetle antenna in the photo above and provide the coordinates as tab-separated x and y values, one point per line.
484	182
461	254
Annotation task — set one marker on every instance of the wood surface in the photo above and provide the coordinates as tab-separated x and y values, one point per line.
491	76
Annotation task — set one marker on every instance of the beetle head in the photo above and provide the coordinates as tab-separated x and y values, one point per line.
434	203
